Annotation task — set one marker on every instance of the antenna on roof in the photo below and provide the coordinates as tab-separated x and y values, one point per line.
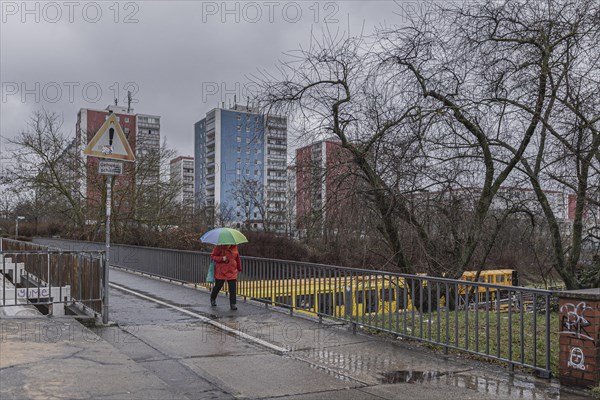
128	101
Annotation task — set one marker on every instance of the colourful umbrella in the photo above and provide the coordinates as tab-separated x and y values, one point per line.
223	236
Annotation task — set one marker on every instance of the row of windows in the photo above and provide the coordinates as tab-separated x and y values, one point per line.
256	151
239	128
239	172
239	117
239	161
248	140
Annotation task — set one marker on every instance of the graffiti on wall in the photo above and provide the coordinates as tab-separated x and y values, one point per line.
576	359
574	321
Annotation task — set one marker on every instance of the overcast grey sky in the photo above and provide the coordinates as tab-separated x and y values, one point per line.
180	58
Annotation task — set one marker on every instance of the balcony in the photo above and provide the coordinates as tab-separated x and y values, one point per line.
273	135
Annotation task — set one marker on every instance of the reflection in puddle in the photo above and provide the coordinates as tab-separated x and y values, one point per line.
363	363
511	388
409	376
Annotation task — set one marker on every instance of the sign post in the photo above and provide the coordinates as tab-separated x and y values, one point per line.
109	143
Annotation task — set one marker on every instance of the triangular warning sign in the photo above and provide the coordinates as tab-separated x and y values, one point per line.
110	142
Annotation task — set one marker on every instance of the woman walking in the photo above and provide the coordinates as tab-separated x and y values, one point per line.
227	266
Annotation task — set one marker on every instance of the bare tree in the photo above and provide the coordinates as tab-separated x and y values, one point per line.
330	89
462	101
151	201
250	195
46	169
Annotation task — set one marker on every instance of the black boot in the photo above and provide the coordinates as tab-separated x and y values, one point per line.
213	302
233	307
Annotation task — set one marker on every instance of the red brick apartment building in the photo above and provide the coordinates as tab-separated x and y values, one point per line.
324	185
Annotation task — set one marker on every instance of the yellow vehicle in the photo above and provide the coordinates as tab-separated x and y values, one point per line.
495	276
352	296
343	296
507	277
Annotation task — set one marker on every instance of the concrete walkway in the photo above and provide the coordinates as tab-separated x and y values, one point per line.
166	342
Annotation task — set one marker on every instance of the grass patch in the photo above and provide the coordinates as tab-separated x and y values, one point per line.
517	337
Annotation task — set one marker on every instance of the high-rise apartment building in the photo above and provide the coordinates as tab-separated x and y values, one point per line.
241	165
324	186
182	172
148	145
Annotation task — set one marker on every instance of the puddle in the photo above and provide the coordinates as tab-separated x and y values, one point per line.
409	376
504	388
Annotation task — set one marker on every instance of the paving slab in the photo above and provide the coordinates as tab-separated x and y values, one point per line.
50	359
268	375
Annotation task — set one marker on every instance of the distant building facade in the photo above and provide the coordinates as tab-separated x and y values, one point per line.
241	166
182	172
324	185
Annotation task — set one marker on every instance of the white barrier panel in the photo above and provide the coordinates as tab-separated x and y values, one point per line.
16	270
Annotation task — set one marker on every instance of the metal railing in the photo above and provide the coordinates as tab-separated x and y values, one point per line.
36	274
506	323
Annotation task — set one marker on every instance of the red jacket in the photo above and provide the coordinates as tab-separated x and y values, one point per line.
227	259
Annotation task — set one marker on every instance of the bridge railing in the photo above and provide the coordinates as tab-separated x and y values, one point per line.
496	321
33	273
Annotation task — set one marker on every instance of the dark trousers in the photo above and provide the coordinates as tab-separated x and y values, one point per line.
219	284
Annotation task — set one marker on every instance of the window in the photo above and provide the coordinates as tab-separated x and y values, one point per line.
238	139
239	149
339	298
305	301
126	119
387	294
239	128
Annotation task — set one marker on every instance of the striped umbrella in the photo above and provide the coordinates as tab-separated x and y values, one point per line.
223	236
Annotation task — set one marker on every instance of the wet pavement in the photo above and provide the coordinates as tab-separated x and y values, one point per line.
166	342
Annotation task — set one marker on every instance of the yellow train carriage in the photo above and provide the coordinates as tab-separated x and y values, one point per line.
507	277
354	296
344	296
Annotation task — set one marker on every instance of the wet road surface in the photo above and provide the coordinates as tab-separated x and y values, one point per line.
317	360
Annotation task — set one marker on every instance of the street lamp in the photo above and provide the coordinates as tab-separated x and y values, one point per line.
17	226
